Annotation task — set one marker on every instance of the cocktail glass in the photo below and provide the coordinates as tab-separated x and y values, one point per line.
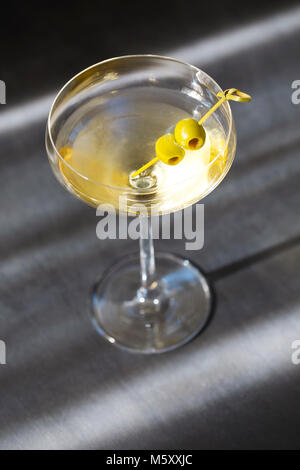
102	126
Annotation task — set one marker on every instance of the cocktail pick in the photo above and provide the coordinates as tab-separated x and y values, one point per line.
189	134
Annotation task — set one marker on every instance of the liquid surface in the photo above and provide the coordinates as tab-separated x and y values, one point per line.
109	137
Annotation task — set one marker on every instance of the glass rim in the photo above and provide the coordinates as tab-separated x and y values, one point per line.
129	189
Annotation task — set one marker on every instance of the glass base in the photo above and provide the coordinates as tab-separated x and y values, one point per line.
167	315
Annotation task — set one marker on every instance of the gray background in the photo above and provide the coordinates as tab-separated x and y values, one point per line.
234	386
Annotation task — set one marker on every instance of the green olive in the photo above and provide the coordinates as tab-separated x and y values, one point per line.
189	134
168	151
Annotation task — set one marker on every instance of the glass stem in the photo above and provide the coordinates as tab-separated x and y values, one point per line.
147	258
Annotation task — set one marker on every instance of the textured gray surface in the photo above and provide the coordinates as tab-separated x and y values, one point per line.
234	386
